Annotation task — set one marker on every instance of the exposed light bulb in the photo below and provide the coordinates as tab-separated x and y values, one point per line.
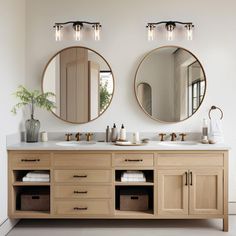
58	33
170	31
78	29
150	32
97	28
189	28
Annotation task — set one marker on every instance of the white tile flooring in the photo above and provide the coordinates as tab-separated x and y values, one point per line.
123	228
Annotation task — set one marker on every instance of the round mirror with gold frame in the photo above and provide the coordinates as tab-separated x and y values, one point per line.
83	84
170	84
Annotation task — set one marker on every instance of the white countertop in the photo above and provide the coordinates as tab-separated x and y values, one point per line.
152	145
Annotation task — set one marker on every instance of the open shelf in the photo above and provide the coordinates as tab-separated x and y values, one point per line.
119	183
135	214
20	183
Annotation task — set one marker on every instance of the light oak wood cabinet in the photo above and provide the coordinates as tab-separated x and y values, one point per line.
86	184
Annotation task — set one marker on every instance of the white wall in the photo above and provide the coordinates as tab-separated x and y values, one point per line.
124	43
12	65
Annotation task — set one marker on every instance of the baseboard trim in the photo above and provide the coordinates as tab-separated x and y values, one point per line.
7	226
232	208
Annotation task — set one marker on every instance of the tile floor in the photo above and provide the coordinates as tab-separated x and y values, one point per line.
123	228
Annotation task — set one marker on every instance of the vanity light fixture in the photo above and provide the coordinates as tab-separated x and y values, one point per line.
170	26
78	27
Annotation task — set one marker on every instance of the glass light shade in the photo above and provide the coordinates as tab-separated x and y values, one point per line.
78	32
58	32
189	31
97	32
170	32
151	32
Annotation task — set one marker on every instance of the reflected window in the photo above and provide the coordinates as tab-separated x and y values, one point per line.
106	89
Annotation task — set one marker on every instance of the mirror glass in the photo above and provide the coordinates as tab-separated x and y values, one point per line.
170	84
83	84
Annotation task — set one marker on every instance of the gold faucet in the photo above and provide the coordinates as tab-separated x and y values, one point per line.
88	136
173	136
77	136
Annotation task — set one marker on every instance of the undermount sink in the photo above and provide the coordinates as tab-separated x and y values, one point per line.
179	143
75	143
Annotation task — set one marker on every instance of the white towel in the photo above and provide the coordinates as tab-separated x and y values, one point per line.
132	179
31	179
216	131
39	174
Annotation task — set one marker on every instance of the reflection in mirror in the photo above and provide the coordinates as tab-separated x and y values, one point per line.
177	84
83	83
145	96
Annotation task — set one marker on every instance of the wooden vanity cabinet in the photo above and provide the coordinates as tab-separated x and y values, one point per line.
84	184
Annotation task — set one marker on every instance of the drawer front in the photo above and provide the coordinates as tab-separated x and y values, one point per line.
191	159
82	176
82	160
78	192
133	159
30	160
83	207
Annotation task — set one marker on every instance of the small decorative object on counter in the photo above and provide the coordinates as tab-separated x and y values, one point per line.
44	136
114	133
122	133
108	134
205	132
32	99
136	137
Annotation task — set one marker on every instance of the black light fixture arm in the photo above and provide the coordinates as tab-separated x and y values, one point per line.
81	23
170	23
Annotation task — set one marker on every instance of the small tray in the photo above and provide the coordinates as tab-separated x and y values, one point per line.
129	144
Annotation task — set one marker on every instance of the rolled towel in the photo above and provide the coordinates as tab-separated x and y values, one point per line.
216	131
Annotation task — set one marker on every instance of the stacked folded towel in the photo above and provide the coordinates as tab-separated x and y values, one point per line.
36	176
133	176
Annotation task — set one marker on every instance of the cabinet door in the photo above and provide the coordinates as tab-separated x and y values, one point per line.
206	191
172	192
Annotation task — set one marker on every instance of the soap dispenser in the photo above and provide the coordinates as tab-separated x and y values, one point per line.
114	133
122	133
205	131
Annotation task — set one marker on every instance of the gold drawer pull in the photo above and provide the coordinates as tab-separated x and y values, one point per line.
80	192
30	160
134	160
80	208
80	176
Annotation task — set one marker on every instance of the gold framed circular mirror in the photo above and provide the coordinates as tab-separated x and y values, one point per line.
170	84
83	84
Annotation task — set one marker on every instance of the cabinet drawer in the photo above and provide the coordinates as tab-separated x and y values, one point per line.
82	159
191	159
30	160
83	207
82	176
133	159
78	192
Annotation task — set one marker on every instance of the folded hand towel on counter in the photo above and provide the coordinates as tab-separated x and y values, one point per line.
31	179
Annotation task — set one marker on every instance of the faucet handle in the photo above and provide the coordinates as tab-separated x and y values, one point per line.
68	136
162	135
77	136
88	136
182	135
